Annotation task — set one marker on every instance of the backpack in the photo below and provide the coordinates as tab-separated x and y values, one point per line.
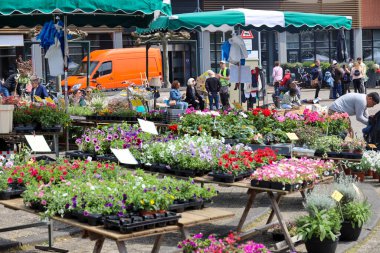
357	72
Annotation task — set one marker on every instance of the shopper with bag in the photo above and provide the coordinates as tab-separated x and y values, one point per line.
224	78
357	76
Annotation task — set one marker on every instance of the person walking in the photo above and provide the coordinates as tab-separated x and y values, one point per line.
346	80
213	87
316	77
355	104
175	95
337	74
357	76
365	77
224	78
277	74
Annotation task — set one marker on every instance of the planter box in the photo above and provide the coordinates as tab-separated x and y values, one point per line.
80	155
180	207
51	129
24	129
109	158
260	183
134	222
6	115
227	178
281	149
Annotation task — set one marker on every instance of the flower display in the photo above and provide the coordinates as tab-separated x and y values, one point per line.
371	160
198	244
293	170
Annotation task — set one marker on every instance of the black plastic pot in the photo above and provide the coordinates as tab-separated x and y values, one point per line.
278	237
95	219
260	183
315	245
348	233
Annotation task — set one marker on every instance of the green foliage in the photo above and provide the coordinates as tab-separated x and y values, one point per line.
345	185
328	144
80	111
319	199
357	212
307	134
20	117
324	224
370	66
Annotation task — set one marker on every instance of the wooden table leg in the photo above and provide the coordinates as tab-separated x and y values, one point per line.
271	215
185	233
157	243
277	211
121	246
98	245
303	195
252	194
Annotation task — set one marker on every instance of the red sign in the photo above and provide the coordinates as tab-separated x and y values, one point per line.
246	35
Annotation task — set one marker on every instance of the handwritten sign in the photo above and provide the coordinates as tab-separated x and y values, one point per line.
337	196
124	156
292	136
148	126
37	143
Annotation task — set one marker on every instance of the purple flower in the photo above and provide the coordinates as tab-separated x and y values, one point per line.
78	141
124	196
120	214
87	139
85	213
198	236
109	137
145	190
97	148
67	206
94	140
108	205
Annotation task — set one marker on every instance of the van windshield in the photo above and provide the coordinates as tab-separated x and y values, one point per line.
82	69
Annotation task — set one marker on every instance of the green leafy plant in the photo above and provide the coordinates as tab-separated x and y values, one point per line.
324	224
307	135
345	185
357	212
319	199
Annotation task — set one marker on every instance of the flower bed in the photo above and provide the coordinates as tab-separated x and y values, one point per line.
291	174
133	201
212	244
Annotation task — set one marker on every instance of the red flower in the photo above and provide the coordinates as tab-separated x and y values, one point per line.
19	180
10	180
173	128
266	112
233	152
39	178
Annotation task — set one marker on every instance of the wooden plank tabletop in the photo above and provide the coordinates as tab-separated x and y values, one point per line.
189	218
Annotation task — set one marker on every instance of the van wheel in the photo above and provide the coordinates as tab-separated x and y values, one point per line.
99	87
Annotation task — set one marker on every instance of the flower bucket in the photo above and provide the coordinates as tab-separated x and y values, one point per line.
314	245
375	175
347	171
348	233
6	115
369	173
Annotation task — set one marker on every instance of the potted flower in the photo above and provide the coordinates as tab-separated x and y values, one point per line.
355	214
357	170
320	231
357	146
370	162
234	165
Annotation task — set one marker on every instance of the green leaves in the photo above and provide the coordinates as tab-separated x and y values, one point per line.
357	213
323	224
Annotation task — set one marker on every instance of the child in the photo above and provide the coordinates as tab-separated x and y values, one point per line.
290	99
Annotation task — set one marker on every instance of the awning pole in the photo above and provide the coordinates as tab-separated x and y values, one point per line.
66	54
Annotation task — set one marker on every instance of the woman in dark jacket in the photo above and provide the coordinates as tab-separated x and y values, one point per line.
192	95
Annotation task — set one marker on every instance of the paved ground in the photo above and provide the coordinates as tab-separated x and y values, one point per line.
231	199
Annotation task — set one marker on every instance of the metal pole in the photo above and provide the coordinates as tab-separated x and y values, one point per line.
88	63
66	53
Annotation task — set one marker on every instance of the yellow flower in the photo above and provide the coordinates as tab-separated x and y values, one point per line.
152	202
142	202
30	161
171	196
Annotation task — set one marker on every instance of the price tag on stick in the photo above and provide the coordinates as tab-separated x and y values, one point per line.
37	143
292	136
372	146
337	196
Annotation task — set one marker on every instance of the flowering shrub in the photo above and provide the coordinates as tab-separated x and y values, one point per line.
198	244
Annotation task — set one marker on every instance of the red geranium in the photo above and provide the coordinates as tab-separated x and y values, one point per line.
173	128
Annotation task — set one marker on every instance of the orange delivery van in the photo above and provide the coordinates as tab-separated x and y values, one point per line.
116	68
